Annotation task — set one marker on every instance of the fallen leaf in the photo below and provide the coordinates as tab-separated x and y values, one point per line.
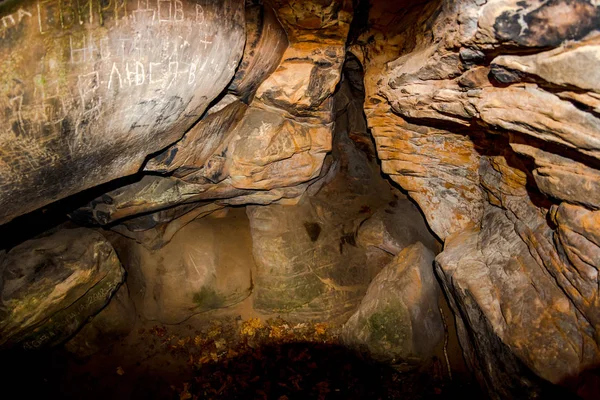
220	344
321	328
276	332
185	393
250	327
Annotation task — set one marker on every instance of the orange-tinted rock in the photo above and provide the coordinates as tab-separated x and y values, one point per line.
487	114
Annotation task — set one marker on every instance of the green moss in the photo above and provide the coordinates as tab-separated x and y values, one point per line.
389	325
207	299
287	294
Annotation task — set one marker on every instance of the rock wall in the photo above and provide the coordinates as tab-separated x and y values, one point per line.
87	92
315	259
263	141
486	113
206	266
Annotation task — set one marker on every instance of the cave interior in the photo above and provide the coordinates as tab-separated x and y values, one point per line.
282	199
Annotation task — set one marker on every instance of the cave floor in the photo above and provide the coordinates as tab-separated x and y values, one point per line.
229	358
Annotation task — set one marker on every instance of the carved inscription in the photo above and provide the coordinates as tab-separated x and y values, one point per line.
107	63
12	20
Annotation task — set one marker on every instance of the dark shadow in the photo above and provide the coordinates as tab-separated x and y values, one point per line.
285	371
44	220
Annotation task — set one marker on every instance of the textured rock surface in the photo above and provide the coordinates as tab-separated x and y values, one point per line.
395	228
308	261
51	286
87	93
398	319
315	259
207	265
266	139
487	114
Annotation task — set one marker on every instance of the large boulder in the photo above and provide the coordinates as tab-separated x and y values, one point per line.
398	320
394	228
51	286
87	93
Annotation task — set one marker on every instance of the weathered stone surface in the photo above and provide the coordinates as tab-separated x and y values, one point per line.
87	93
268	150
534	23
487	114
308	262
572	65
114	322
398	319
191	153
51	286
311	66
529	110
266	41
157	229
439	169
311	262
207	265
562	177
260	154
493	272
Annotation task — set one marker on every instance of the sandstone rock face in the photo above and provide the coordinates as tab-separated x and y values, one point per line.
398	319
88	92
266	139
487	114
308	261
395	228
206	266
51	286
316	258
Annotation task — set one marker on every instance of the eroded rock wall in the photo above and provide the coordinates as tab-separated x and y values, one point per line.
486	113
263	141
